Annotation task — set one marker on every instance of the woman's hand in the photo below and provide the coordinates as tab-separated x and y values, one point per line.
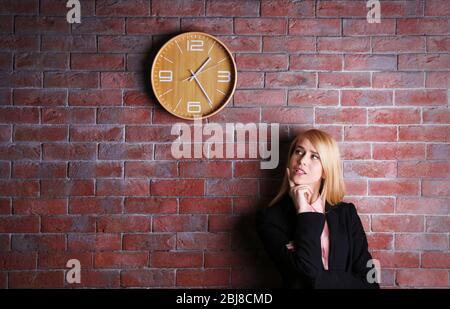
300	194
290	246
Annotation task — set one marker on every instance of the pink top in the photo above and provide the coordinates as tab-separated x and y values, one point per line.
317	206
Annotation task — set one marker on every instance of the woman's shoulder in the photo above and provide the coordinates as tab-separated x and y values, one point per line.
344	208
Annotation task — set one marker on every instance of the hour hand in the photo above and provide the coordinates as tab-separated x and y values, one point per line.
201	87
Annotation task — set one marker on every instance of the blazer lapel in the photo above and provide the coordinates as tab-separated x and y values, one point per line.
332	221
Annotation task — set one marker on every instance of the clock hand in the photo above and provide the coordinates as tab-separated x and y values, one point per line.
201	87
190	77
198	70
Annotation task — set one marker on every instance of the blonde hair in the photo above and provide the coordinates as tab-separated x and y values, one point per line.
332	187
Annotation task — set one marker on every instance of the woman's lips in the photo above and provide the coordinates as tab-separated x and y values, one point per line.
299	172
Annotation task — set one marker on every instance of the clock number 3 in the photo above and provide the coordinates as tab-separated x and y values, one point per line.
194	107
223	76
195	45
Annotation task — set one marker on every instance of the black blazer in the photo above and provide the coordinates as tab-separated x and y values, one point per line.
303	268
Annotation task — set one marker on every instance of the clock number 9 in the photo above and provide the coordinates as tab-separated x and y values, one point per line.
165	76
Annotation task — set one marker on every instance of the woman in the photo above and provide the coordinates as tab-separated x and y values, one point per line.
315	239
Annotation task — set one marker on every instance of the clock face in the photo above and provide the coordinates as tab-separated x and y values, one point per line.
194	75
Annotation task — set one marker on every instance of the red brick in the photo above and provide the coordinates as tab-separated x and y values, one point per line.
150	205
340	116
147	278
75	43
119	80
122	260
19	42
435	188
341	9
362	27
380	169
95	98
20	79
41	24
69	151
178	8
312	97
422	278
316	62
122	8
100	26
229	258
397	223
42	243
18	260
437	8
124	44
315	27
237	115
422	133
68	116
125	151
394	116
232	8
71	80
123	224
344	79
92	205
370	133
205	169
233	187
423	169
203	278
399	151
441	79
11	151
398	44
98	279
41	61
287	8
136	98
177	259
94	169
438	44
290	79
438	151
150	169
291	44
287	115
366	97
120	187
262	62
19	7
356	187
39	97
370	63
19	187
99	133
343	44
436	115
149	242
389	259
436	260
52	260
124	116
67	224
223	223
205	205
210	25
202	241
55	133
355	151
394	187
421	62
178	187
97	62
39	206
5	133
64	188
242	44
36	279
260	26
421	97
39	170
180	223
152	25
421	242
397	80
380	241
15	115
440	224
422	26
259	98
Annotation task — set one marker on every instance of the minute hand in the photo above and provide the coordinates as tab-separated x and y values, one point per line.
190	78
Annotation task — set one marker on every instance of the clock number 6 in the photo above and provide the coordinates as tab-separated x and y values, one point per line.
194	107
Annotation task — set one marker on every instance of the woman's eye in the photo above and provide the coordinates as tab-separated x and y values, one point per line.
316	157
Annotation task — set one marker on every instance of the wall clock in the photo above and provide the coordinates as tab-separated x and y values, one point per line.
194	75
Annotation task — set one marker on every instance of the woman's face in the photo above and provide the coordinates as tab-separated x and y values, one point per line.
305	166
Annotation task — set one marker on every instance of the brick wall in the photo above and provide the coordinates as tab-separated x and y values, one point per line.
85	164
